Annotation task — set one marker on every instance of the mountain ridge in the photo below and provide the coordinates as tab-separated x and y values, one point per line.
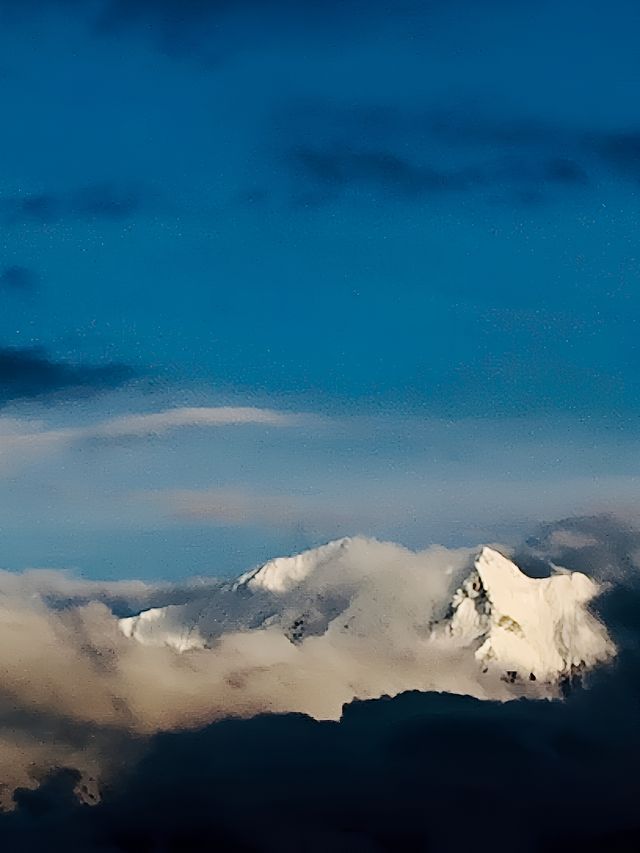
520	628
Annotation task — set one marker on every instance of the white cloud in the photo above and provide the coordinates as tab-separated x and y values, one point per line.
23	440
368	607
159	423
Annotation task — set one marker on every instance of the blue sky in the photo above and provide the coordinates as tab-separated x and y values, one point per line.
416	224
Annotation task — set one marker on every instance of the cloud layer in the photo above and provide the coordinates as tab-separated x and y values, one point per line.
77	695
73	684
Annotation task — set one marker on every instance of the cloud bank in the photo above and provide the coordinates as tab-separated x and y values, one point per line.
67	662
74	686
82	711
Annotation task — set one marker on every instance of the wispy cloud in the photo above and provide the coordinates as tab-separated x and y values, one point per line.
26	439
157	423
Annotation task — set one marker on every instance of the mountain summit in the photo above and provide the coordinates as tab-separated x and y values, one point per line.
445	607
538	628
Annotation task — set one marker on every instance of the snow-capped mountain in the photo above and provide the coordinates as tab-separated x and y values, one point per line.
433	602
539	628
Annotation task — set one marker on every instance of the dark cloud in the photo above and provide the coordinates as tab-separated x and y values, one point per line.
96	201
337	168
341	167
564	171
419	772
39	207
164	16
466	127
622	150
195	28
31	373
601	545
417	154
18	279
179	15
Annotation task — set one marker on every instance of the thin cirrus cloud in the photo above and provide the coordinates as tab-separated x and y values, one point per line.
23	439
157	423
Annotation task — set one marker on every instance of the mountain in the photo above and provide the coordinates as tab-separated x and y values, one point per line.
539	628
482	612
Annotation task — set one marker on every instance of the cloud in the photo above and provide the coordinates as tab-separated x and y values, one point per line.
622	150
107	201
566	145
419	772
24	440
169	742
157	423
28	373
414	153
68	669
607	546
341	167
337	168
18	279
60	590
197	29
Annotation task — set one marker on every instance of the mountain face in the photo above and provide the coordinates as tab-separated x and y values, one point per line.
484	612
538	628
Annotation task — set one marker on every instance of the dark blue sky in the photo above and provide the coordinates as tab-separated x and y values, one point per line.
403	218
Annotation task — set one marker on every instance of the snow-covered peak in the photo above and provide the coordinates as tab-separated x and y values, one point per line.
283	573
385	600
536	628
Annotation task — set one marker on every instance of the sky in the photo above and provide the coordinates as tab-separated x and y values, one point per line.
272	273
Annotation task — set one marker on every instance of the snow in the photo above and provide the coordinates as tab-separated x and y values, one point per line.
283	573
538	627
505	623
163	626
